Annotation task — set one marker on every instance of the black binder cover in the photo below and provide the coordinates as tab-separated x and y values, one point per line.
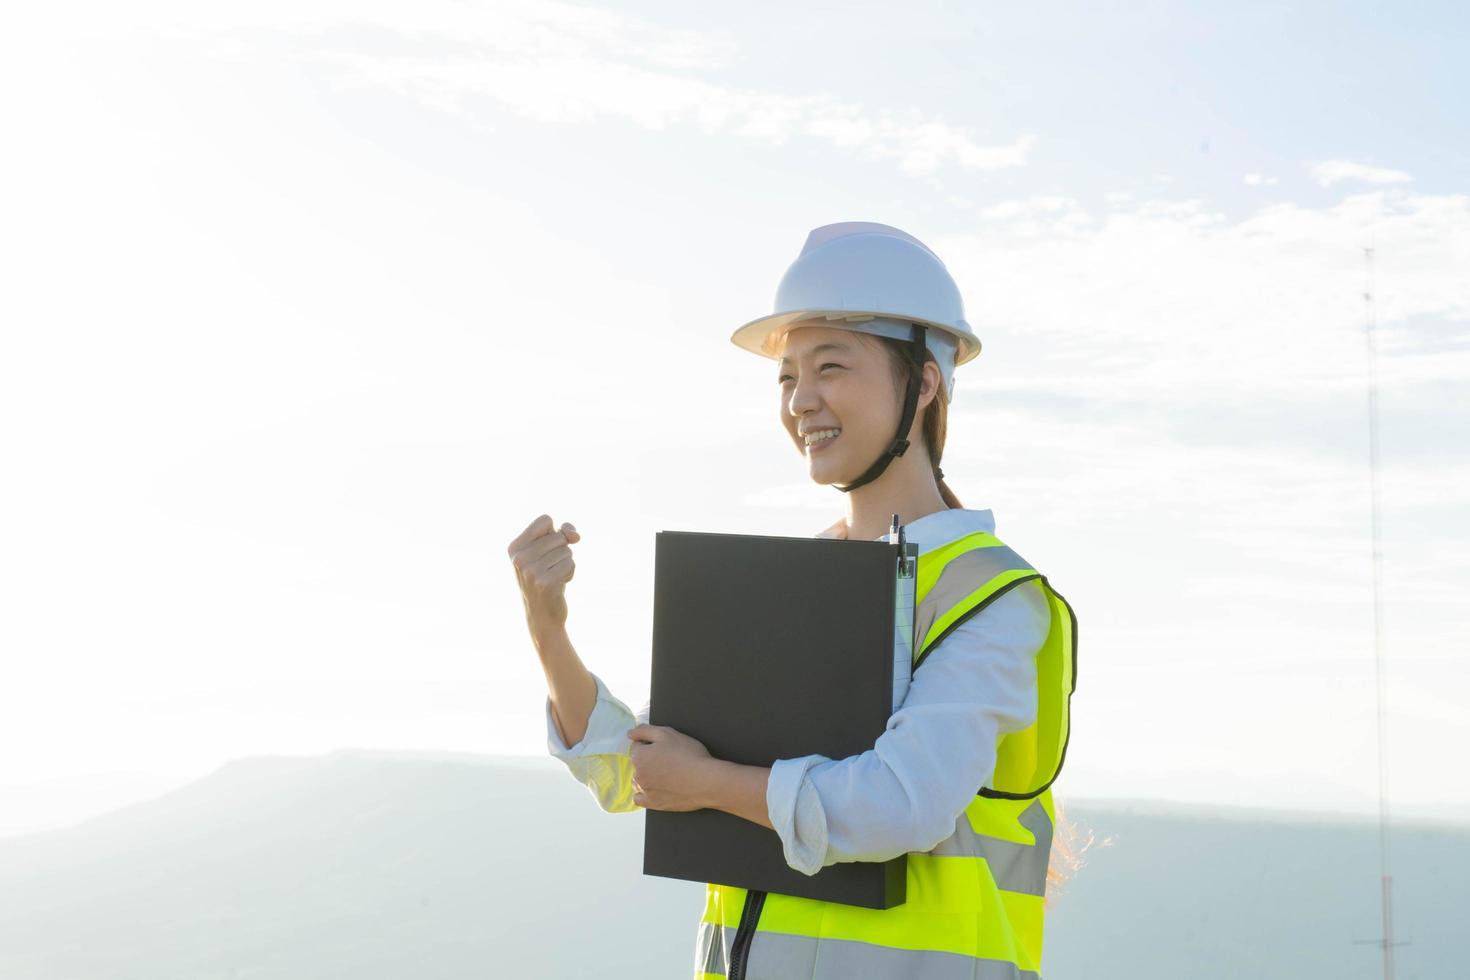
769	648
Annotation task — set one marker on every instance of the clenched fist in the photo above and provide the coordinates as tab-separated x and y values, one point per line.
542	557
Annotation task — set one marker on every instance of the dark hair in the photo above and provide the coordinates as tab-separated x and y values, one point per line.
935	416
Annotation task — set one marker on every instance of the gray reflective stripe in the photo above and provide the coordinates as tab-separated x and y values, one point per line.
781	956
962	576
1015	867
711	952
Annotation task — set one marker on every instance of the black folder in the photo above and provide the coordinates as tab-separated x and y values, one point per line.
769	648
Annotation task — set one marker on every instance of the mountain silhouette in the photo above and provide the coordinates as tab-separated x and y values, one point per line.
421	865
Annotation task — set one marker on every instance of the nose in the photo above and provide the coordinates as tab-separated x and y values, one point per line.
804	397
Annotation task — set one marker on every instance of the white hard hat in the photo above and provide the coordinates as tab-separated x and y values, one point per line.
871	278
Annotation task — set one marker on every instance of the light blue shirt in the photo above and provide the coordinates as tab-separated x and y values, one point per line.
905	793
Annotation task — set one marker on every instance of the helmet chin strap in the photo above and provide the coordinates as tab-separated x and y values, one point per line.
910	405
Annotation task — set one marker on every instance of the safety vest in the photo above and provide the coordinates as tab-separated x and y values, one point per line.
975	901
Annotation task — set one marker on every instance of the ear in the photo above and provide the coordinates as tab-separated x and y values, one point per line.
928	387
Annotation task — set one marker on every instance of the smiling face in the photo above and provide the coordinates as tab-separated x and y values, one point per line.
838	400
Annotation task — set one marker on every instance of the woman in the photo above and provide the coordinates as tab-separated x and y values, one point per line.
867	330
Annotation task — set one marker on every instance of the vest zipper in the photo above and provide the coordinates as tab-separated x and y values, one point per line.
750	914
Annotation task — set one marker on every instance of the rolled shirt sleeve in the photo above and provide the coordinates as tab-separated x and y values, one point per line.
600	760
938	749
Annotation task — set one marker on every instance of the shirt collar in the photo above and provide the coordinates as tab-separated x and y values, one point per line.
943	526
934	530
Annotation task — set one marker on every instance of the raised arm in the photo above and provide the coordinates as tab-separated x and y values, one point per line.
542	558
585	723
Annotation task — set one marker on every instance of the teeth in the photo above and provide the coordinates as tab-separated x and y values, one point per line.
815	437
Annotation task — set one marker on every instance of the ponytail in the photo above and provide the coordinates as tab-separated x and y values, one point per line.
944	491
934	425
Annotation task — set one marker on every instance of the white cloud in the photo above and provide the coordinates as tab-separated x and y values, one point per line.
1329	172
1164	302
1280	510
582	89
533	29
1260	180
1041	204
567	64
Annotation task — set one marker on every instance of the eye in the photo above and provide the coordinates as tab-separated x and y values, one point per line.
786	377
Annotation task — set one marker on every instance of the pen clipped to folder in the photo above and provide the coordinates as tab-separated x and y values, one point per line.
903	613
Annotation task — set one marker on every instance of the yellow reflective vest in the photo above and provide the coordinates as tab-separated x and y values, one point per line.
975	901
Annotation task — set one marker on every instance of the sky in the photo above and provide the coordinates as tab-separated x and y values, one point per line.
310	308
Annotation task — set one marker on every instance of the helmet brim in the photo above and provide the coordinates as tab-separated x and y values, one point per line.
761	335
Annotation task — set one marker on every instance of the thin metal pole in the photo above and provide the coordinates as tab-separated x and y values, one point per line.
1385	874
